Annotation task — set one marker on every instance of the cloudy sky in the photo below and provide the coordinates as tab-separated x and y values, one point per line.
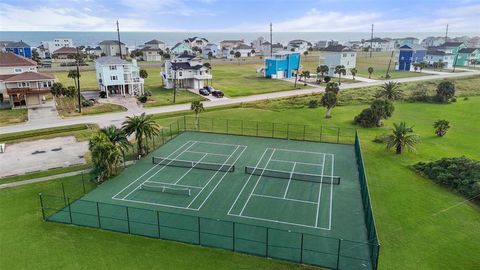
241	15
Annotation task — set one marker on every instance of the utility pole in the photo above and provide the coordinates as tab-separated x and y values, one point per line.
174	82
271	41
371	42
119	44
446	35
78	83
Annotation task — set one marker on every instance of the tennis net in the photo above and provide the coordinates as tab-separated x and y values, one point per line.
165	189
317	178
193	164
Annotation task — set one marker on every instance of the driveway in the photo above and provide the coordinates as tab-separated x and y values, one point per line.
44	113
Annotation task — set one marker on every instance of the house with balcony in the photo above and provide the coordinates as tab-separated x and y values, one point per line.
111	48
187	72
155	44
117	76
47	48
451	47
151	54
409	41
210	51
339	55
468	57
283	64
230	43
64	53
19	48
244	50
198	42
409	55
20	82
436	56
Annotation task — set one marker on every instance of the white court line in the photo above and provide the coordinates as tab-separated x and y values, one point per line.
161	169
281	222
320	192
258	180
221	179
213	154
289	180
156	165
189	170
280	198
171	184
158	204
331	197
288	161
215	174
226	144
301	151
248	180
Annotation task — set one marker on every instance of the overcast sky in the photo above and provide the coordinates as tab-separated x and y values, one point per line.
240	15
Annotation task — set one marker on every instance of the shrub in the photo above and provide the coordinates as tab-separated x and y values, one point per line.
465	98
327	79
103	94
382	138
420	95
445	91
372	117
332	87
313	103
147	93
143	99
460	174
87	103
441	127
454	99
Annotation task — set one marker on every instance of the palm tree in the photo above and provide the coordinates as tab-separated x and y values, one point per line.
354	72
305	74
322	69
105	156
305	53
390	90
197	107
117	137
73	74
370	71
143	127
340	70
441	127
238	55
401	138
329	100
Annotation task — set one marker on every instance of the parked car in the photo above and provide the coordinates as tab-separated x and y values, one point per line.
217	94
203	92
209	89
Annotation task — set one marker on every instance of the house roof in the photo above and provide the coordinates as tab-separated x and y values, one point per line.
148	49
27	76
378	40
154	41
19	44
111	60
435	52
66	50
278	45
176	45
337	48
9	59
194	38
243	47
468	50
415	47
451	44
266	43
185	65
232	41
186	56
110	42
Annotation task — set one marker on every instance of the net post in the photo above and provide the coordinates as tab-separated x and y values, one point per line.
233	236
83	184
158	224
64	196
69	211
301	249
98	216
198	221
128	220
338	253
338	134
40	195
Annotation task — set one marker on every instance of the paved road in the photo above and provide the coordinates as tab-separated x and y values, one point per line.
117	118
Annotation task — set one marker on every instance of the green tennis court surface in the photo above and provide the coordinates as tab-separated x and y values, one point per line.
284	199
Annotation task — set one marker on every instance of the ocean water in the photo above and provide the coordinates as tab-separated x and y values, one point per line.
133	39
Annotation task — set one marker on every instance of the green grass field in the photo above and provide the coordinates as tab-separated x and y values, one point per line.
9	117
67	107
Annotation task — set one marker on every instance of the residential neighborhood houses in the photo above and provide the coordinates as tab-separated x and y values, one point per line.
116	76
409	55
47	48
186	71
282	64
339	55
111	48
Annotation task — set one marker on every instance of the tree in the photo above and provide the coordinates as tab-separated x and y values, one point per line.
143	127
354	72
390	90
35	56
327	79
329	100
305	53
340	70
305	74
402	138
372	116
332	87
105	157
422	65
207	65
441	127
57	89
322	69
197	107
210	55
370	71
73	74
238	55
117	137
143	73
445	91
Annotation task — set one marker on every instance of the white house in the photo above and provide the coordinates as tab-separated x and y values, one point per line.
298	45
409	41
432	41
210	50
47	48
263	47
180	48
155	44
244	50
230	43
111	48
198	42
336	55
186	71
118	76
434	56
151	54
380	45
355	44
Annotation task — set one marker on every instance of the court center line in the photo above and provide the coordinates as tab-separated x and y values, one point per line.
224	163
258	180
304	163
213	154
289	180
248	180
331	197
156	165
161	169
221	179
280	198
320	192
189	170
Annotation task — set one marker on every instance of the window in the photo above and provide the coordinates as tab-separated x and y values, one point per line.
113	67
23	84
113	78
18	70
180	73
344	55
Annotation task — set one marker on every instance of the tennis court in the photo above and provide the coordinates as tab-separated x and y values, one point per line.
293	200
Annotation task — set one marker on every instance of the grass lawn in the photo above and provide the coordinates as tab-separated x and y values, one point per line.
9	116
88	79
50	172
82	132
66	107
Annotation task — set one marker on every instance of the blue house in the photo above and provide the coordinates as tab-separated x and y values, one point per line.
282	65
410	54
19	48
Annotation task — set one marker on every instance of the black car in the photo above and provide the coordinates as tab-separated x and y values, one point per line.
203	92
217	94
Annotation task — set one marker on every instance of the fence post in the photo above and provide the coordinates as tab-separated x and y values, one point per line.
198	220
128	221
301	249
288	130
273	130
321	133
69	211
158	225
242	126
257	128
64	196
304	131
184	123
266	244
212	125
171	135
41	205
98	215
233	236
163	138
83	184
178	126
227	125
338	253
338	134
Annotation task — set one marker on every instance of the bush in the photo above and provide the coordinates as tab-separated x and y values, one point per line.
372	117
313	103
147	93
460	174
103	94
420	95
87	103
382	138
465	98
327	79
445	91
143	99
454	99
